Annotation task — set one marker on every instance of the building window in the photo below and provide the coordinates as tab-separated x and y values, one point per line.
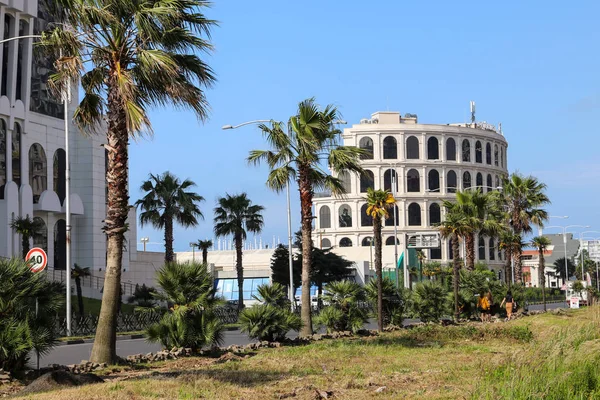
344	177
466	151
450	150
345	242
365	219
466	180
433	179
502	157
433	148
451	182
3	177
413	183
38	170
490	183
59	166
497	182
390	241
435	214
325	243
479	181
414	214
228	288
41	239
488	154
8	21
412	148
389	221
435	254
16	154
492	250
366	242
388	176
21	67
366	144
478	152
450	250
496	155
345	216
367	180
390	148
481	249
324	217
60	244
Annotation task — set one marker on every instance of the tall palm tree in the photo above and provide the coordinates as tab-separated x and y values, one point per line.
379	201
130	56
421	257
204	245
169	200
28	228
510	243
523	197
77	273
298	154
235	216
541	243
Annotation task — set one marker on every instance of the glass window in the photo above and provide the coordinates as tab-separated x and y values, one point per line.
466	151
466	180
345	242
21	68
324	217
492	249
59	166
367	180
38	175
413	181
451	182
390	241
41	239
366	143
412	148
345	216
502	157
434	180
497	182
16	154
3	177
366	242
488	154
414	214
389	221
346	182
450	150
390	148
228	288
478	152
387	180
435	254
479	181
450	250
8	21
435	214
481	252
365	219
325	243
496	155
490	183
433	149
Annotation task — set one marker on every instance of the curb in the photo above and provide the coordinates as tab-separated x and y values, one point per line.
119	337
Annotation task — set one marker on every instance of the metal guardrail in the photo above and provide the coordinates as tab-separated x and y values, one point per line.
93	282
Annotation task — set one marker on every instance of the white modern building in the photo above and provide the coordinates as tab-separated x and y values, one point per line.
593	249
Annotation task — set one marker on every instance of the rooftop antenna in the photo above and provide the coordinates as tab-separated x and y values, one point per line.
472	105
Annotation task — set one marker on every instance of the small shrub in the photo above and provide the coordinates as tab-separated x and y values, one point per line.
429	302
343	312
393	301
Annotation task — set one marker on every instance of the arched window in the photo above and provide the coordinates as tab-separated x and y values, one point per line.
413	181
412	148
390	148
490	183
481	252
3	177
365	220
366	242
450	150
387	180
367	180
324	217
433	179
8	22
492	250
366	143
497	182
488	154
390	241
478	152
345	216
451	182
325	243
346	181
38	170
466	180
502	157
41	239
435	214
59	166
496	155
60	244
433	148
414	214
16	154
479	181
450	250
466	151
389	221
345	242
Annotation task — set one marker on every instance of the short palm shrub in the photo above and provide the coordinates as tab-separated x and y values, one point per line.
429	302
272	319
393	300
190	321
143	296
344	311
473	283
20	330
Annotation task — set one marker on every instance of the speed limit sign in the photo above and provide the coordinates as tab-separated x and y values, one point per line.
37	259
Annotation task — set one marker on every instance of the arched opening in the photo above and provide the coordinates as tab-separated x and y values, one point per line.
451	182
366	144
450	250
41	239
502	157
496	155
21	67
365	219
466	151
497	182
344	177
412	148
324	217
390	241
433	179
413	181
478	152
8	27
490	183
492	250
414	214
450	150
479	181
388	176
60	244
366	242
3	177
345	216
345	242
435	214
390	148
466	180
367	180
481	252
16	154
38	170
58	167
488	154
389	221
433	148
325	243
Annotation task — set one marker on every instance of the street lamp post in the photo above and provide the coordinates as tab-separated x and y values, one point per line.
540	230
193	246
144	240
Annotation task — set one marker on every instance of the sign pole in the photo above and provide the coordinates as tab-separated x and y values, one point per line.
38	260
66	99
37	352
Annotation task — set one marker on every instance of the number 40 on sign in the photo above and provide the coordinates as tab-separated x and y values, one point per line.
37	259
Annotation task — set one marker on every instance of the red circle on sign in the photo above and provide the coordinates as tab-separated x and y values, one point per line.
37	266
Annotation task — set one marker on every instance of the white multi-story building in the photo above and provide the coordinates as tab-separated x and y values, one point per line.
593	249
431	162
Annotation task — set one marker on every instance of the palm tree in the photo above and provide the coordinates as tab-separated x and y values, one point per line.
312	139
541	243
77	273
28	228
511	243
130	56
523	199
379	201
235	216
421	257
204	245
168	200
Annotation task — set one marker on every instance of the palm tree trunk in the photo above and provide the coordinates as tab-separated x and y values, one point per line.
378	271
79	296
543	277
518	266
104	349
306	195
507	269
205	256
456	268
169	255
470	250
239	269
25	245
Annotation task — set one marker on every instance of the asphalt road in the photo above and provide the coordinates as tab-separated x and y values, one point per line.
75	353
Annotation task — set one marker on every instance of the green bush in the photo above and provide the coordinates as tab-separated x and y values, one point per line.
393	301
430	302
190	320
273	295
21	331
343	312
473	283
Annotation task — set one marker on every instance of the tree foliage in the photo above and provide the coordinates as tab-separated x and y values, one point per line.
393	300
343	312
429	301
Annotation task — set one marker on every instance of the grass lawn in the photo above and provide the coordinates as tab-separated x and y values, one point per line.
518	359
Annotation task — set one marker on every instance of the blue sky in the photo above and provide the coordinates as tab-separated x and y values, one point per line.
533	66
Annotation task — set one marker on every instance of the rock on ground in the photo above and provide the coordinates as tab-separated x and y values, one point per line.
59	379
